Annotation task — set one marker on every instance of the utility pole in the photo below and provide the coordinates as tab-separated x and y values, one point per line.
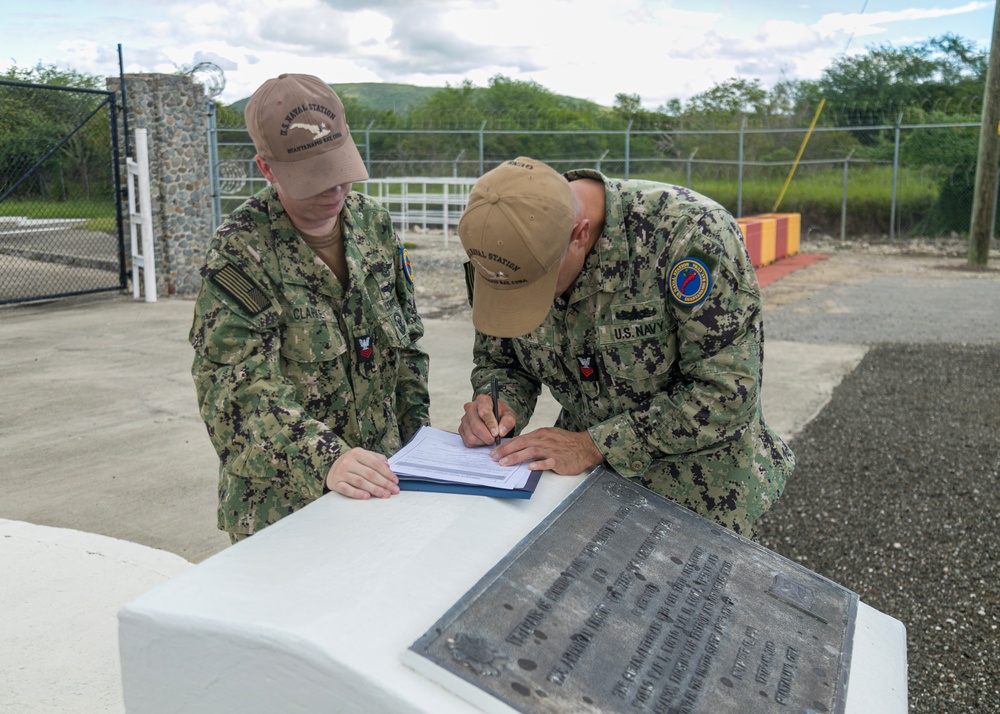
989	150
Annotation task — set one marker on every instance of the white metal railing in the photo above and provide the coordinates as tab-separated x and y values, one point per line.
425	202
431	203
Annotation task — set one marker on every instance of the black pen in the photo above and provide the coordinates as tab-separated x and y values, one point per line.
496	407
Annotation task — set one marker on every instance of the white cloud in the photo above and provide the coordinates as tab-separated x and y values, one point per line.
588	49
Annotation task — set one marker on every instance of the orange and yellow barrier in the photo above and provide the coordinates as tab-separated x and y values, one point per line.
771	236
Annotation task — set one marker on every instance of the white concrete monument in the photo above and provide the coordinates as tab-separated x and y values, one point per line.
318	612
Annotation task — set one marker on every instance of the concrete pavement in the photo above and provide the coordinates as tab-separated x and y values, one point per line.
109	480
100	430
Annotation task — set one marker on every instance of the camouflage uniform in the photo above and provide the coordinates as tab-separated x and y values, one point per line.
670	393
290	368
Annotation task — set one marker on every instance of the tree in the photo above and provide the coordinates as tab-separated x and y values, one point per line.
959	62
505	105
34	122
951	154
734	97
454	106
52	75
628	104
870	89
938	80
672	108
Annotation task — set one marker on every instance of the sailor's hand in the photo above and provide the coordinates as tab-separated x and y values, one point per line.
359	473
550	449
478	426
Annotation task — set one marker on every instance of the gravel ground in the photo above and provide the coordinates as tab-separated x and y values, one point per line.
895	490
438	277
894	497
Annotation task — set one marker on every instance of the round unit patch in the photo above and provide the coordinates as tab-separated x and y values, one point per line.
690	282
407	266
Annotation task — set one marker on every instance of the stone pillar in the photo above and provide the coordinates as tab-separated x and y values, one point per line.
173	111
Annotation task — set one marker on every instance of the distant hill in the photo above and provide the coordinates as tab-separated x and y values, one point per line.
375	95
382	96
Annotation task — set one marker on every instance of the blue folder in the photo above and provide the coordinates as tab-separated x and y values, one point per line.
407	483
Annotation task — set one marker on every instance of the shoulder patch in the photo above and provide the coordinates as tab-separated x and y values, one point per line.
690	282
235	283
407	265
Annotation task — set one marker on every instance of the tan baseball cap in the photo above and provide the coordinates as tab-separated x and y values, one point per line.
298	127
515	229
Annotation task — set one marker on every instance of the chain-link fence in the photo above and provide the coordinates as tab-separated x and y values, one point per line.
893	180
60	228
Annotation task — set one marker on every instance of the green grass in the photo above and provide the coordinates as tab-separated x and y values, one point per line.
815	193
818	195
79	208
103	224
865	186
100	214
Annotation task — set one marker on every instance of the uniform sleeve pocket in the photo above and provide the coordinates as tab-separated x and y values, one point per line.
225	338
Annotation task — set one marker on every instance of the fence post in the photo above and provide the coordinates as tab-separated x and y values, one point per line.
481	148
602	159
445	217
368	147
690	159
895	172
120	191
627	147
213	162
843	199
739	172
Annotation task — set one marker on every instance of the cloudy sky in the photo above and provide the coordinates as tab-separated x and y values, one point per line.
658	49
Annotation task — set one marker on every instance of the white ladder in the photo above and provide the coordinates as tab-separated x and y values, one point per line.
145	260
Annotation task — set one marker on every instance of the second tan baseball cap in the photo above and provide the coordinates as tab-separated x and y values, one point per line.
515	230
297	125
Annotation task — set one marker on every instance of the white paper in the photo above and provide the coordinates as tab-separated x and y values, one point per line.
437	455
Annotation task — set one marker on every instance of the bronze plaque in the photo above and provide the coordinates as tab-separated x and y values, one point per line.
623	601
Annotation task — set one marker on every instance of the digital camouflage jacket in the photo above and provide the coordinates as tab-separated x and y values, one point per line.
291	369
657	352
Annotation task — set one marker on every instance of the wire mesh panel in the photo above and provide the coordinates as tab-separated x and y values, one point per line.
60	231
892	176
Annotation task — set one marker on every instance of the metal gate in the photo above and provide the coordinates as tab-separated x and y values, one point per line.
61	231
